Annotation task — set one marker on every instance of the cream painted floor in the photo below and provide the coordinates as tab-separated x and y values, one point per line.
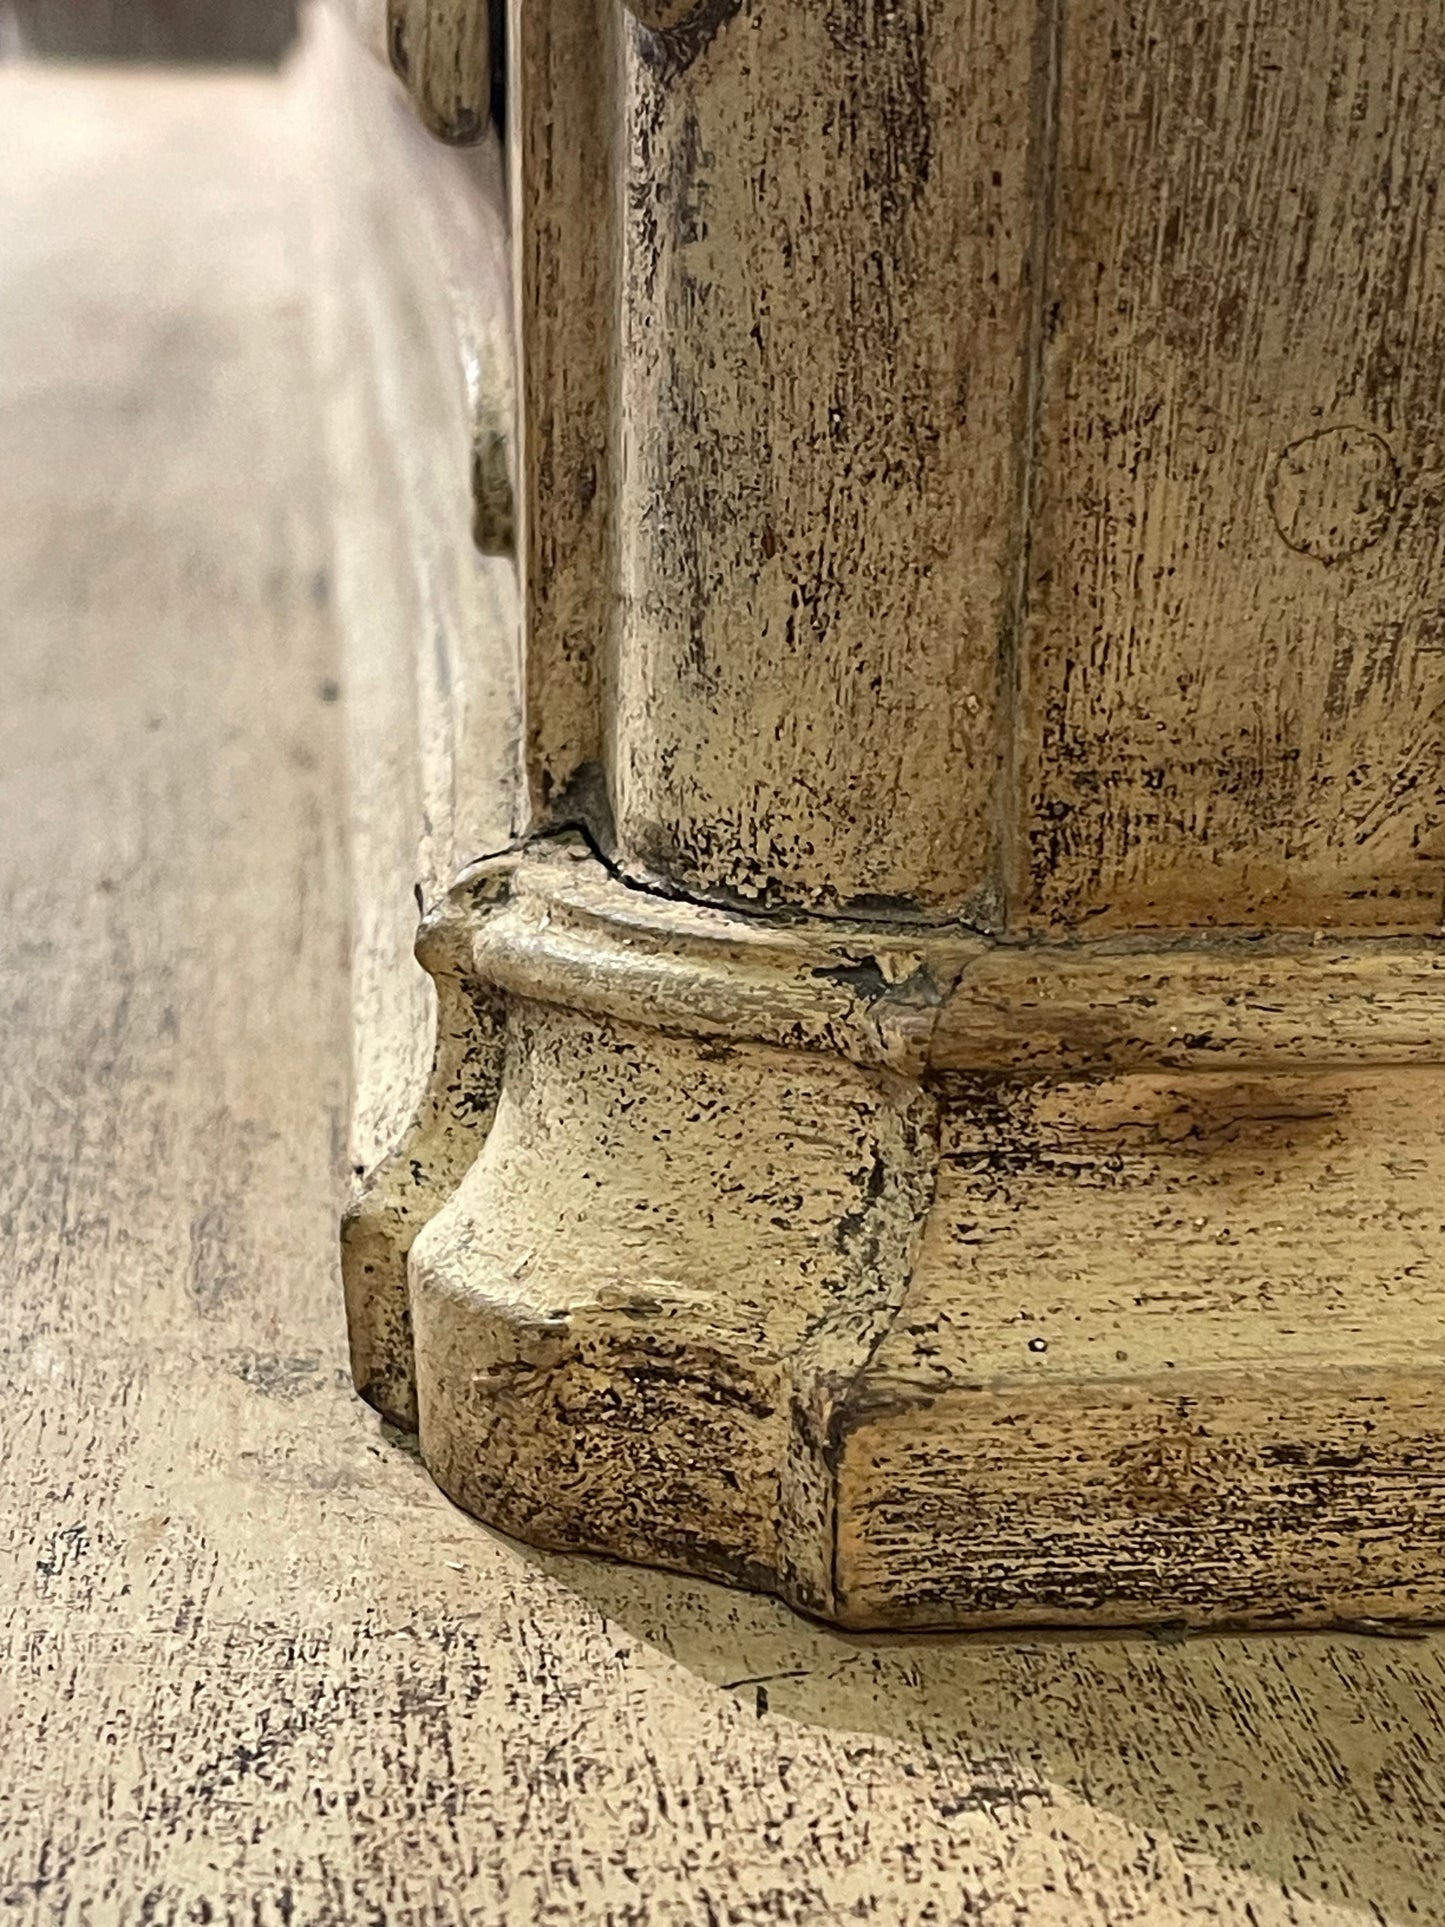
255	1669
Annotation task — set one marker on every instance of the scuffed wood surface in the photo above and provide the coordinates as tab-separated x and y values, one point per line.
1172	1342
430	1157
573	934
638	1314
1251	1206
686	1285
1232	694
948	1000
560	137
821	350
1129	1005
254	1667
987	460
567	931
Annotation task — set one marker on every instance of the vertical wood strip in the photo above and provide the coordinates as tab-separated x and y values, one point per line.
1043	161
562	112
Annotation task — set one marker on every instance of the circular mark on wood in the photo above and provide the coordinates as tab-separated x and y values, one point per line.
1332	494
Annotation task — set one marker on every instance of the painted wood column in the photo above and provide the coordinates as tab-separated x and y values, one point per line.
803	316
942	1116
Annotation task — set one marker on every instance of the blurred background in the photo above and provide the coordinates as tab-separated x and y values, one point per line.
148	30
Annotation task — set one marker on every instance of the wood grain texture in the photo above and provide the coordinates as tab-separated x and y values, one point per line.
713	1263
1196	1004
1170	1341
798	446
561	131
635	1319
252	1665
568	931
820	394
1232	682
1008	495
573	934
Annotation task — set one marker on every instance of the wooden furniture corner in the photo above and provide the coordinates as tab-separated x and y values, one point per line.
937	1101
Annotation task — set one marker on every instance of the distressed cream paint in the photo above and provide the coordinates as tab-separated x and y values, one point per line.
939	1113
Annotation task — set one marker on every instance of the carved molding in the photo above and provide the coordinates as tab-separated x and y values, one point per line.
915	998
679	1260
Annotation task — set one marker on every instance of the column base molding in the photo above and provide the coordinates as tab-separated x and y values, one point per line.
923	1280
